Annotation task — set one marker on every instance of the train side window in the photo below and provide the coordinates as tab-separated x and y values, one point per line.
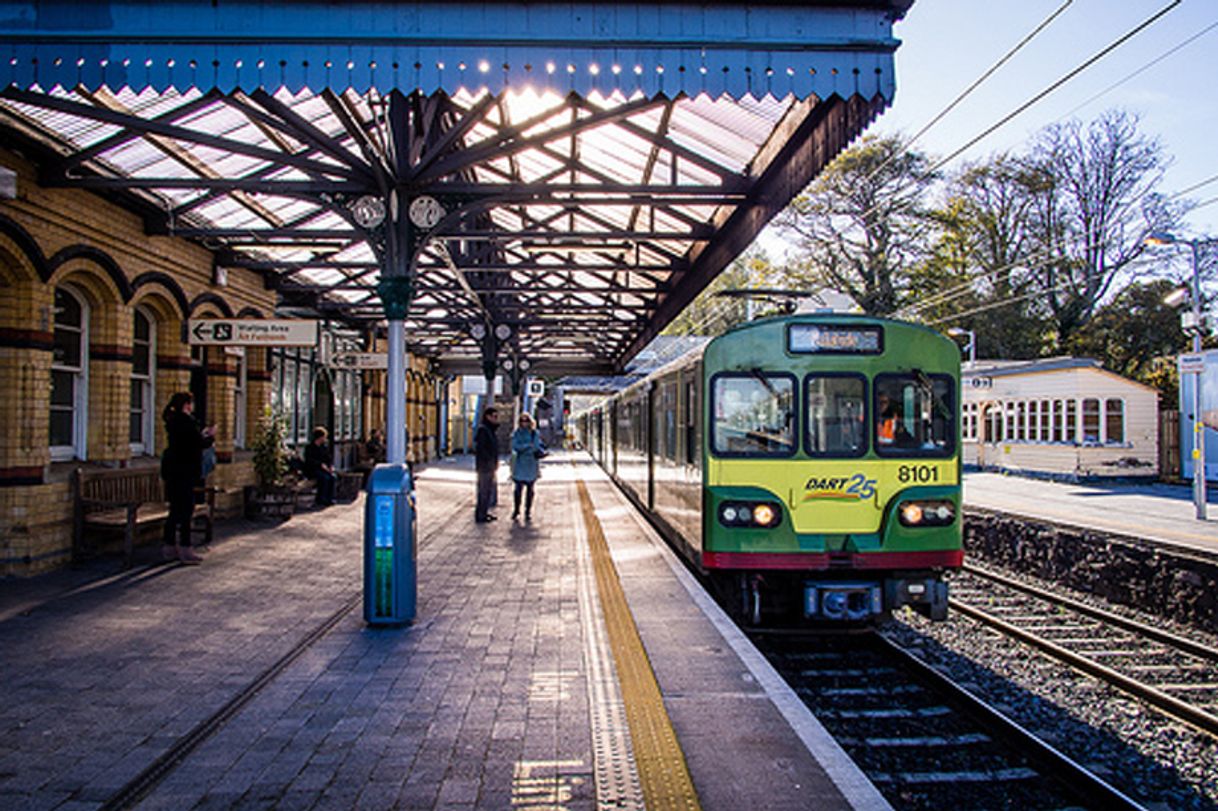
915	415
691	424
753	414
835	416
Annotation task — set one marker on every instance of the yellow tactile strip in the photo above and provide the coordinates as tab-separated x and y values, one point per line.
661	763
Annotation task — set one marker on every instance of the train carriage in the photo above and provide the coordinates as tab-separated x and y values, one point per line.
807	465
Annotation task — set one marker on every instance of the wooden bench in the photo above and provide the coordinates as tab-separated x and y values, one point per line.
128	499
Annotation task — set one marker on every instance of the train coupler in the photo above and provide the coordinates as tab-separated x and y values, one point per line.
842	601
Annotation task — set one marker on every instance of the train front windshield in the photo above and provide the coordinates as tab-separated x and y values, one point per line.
754	414
914	415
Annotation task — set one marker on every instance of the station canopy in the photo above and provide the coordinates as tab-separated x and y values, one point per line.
568	175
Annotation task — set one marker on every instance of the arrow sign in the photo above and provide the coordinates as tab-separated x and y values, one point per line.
361	360
251	332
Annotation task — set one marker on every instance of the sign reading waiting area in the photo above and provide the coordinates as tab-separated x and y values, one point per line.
251	332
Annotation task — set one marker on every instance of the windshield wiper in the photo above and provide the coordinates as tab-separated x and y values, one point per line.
765	381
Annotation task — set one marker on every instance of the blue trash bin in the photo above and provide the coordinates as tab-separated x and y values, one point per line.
390	567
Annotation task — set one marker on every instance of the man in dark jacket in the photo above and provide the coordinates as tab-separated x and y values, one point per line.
486	460
319	465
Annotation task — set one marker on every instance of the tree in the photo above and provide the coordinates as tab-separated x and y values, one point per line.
1093	207
712	314
860	226
1133	332
976	265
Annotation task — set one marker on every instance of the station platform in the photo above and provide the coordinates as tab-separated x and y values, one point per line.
528	681
1163	513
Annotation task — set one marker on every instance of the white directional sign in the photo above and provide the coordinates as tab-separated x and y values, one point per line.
251	332
361	360
1192	364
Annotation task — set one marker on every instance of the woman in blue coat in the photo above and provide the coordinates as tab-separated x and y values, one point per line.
526	451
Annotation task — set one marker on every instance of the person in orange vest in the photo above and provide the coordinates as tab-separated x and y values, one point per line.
890	425
886	422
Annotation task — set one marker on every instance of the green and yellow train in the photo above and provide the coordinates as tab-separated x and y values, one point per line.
808	465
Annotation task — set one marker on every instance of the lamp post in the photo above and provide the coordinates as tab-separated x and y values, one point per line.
971	346
1194	324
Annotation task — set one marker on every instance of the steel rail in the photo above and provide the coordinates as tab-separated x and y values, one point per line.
1074	776
1172	706
1158	634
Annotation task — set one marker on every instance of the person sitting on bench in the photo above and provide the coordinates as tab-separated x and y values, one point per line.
319	465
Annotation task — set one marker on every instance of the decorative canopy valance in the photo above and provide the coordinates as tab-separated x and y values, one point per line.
737	49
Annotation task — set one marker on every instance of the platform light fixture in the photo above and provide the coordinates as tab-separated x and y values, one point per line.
1193	323
971	346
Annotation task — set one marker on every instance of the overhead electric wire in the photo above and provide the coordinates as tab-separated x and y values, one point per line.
1055	85
1194	187
1032	101
905	147
1144	67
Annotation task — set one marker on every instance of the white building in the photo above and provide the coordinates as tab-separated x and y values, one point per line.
1059	417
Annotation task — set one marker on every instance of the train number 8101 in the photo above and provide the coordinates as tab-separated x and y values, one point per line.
917	474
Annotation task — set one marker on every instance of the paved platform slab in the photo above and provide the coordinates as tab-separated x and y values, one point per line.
491	700
1156	512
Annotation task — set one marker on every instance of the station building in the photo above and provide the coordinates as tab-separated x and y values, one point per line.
1064	418
93	315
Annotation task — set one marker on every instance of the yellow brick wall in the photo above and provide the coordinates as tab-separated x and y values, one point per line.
108	250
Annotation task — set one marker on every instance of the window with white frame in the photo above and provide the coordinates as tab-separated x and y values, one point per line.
304	402
239	402
993	428
141	419
1091	420
69	376
276	364
969	423
1114	421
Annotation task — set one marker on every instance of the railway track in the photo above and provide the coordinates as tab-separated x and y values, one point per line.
926	742
1176	675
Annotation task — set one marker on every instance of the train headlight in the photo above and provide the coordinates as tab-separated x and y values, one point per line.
763	514
738	514
927	513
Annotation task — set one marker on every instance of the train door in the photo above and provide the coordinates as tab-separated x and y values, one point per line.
613	437
650	433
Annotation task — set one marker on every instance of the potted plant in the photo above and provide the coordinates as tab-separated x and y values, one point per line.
270	498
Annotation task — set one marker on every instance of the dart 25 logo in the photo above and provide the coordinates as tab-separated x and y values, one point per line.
841	488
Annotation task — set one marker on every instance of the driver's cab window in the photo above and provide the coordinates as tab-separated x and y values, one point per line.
914	415
753	414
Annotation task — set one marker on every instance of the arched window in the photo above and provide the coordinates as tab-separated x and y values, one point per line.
143	381
69	377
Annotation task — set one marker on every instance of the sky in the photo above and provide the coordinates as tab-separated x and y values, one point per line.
949	44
